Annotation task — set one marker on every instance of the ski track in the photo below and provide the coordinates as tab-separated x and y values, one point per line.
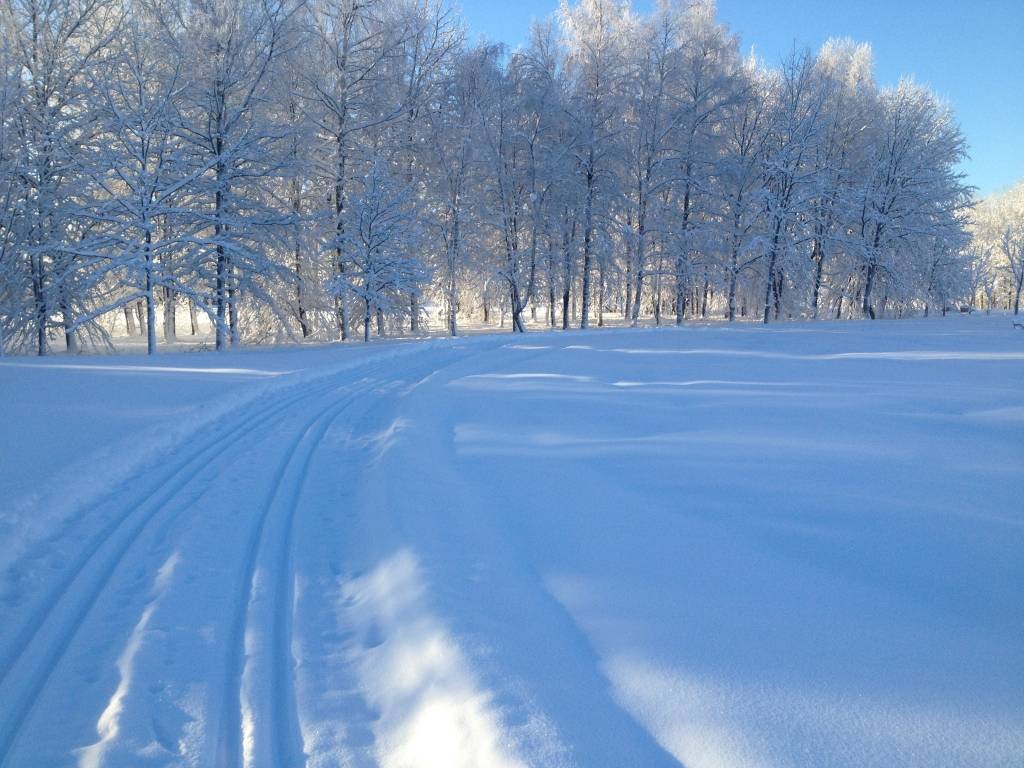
284	747
88	577
43	640
171	479
229	751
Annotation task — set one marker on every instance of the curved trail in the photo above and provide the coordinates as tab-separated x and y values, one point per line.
132	520
229	745
270	691
34	649
41	642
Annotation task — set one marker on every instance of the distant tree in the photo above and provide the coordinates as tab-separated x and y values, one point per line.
381	239
999	235
911	185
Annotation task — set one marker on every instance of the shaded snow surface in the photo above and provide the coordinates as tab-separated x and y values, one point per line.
800	545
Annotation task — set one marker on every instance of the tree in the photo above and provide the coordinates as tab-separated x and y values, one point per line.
135	176
232	152
844	69
999	234
595	64
51	48
911	185
232	47
789	172
380	240
738	191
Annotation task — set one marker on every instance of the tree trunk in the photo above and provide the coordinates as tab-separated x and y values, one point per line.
222	298
629	290
150	316
39	298
567	277
140	311
129	319
770	283
300	299
170	315
517	310
193	317
818	254
453	286
150	299
638	294
588	235
681	256
733	276
869	280
680	298
233	309
656	296
777	291
70	336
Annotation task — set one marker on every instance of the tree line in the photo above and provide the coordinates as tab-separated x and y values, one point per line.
329	169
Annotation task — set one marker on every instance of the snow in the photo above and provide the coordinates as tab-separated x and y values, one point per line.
722	547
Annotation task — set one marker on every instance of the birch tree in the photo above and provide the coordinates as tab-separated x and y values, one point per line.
53	46
999	234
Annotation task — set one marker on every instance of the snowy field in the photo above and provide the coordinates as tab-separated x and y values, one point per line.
742	547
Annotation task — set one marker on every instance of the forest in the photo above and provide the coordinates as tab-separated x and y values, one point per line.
268	171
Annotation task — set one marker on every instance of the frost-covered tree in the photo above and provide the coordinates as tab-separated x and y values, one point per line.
232	47
844	71
999	237
454	167
135	177
910	186
738	190
227	153
707	87
381	239
595	33
790	174
50	50
650	122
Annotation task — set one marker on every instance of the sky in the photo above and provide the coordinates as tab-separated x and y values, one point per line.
967	51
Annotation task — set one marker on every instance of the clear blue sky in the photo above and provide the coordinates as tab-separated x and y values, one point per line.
970	52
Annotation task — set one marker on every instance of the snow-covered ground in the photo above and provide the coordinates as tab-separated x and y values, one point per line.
800	545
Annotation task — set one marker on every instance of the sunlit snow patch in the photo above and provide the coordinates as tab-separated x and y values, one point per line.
109	725
432	711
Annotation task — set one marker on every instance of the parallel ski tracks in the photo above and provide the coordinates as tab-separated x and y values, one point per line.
280	745
43	640
283	724
45	637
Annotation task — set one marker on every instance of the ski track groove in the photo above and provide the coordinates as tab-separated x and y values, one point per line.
91	571
285	717
46	605
284	731
128	531
284	720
